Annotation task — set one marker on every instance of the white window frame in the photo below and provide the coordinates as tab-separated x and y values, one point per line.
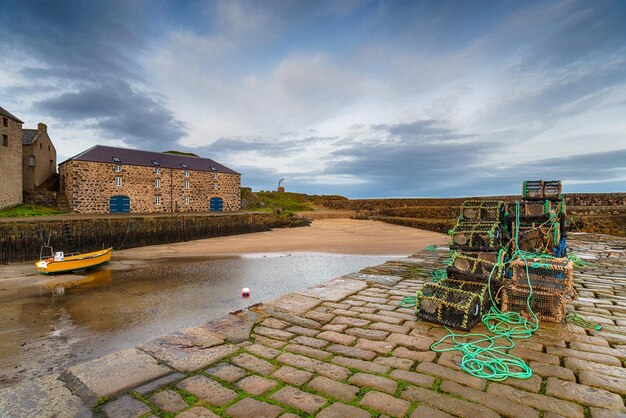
186	184
31	161
118	168
157	171
216	186
214	176
118	181
157	183
157	200
186	200
186	173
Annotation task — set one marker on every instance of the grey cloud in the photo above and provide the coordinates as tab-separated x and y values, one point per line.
89	53
117	111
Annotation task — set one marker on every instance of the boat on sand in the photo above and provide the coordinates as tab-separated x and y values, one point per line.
60	263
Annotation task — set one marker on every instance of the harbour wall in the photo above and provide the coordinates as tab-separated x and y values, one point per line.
603	213
21	240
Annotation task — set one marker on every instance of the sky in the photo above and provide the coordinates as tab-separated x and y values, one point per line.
351	97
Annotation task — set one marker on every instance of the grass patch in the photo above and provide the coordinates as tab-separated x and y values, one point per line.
28	210
285	201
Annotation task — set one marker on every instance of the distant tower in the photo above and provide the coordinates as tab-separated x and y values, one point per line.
280	188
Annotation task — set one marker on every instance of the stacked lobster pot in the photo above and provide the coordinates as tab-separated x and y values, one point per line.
538	221
475	271
541	222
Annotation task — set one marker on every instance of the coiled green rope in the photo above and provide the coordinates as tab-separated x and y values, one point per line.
431	247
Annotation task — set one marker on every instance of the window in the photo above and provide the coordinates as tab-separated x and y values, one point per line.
214	176
157	171
40	145
157	200
186	184
186	200
215	186
48	147
31	161
186	173
117	160
157	182
5	122
5	141
184	165
213	168
155	162
118	168
118	181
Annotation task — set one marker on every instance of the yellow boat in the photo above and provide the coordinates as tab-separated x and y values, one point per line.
59	263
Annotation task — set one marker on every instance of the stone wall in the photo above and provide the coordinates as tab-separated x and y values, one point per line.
89	186
587	212
10	163
40	197
20	241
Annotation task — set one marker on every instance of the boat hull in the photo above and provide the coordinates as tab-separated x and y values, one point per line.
75	262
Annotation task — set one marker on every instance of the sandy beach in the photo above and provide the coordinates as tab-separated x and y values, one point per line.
342	236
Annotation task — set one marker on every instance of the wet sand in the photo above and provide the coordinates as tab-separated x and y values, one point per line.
343	236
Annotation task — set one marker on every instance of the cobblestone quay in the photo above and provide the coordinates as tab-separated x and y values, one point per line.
346	349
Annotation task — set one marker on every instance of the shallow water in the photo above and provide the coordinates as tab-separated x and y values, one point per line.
109	310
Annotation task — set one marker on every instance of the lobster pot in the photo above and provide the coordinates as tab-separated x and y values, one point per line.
480	289
550	275
477	236
483	210
539	237
477	267
540	190
455	308
537	209
548	306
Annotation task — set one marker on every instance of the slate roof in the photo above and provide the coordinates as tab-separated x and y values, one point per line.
104	154
3	112
28	136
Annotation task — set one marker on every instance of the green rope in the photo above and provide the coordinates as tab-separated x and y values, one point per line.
431	247
579	262
411	301
438	275
582	322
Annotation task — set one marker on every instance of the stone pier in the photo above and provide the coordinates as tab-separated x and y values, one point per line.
346	349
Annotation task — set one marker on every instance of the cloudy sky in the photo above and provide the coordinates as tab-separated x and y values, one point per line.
360	98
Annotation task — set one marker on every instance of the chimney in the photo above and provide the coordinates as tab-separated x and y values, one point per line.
42	127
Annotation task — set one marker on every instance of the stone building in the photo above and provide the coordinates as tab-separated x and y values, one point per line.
39	157
10	160
107	179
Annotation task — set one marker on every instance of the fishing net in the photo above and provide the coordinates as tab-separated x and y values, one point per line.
478	236
455	308
554	275
483	210
539	237
538	209
477	266
547	306
540	190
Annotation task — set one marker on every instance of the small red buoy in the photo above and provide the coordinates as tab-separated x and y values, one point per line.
245	292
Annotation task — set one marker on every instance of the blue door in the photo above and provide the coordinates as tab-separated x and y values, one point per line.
119	204
216	204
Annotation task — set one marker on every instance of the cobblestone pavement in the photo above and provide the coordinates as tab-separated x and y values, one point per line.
346	349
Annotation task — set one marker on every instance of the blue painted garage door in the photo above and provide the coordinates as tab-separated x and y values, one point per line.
119	204
216	204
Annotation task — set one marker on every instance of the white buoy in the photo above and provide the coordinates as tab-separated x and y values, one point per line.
245	292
